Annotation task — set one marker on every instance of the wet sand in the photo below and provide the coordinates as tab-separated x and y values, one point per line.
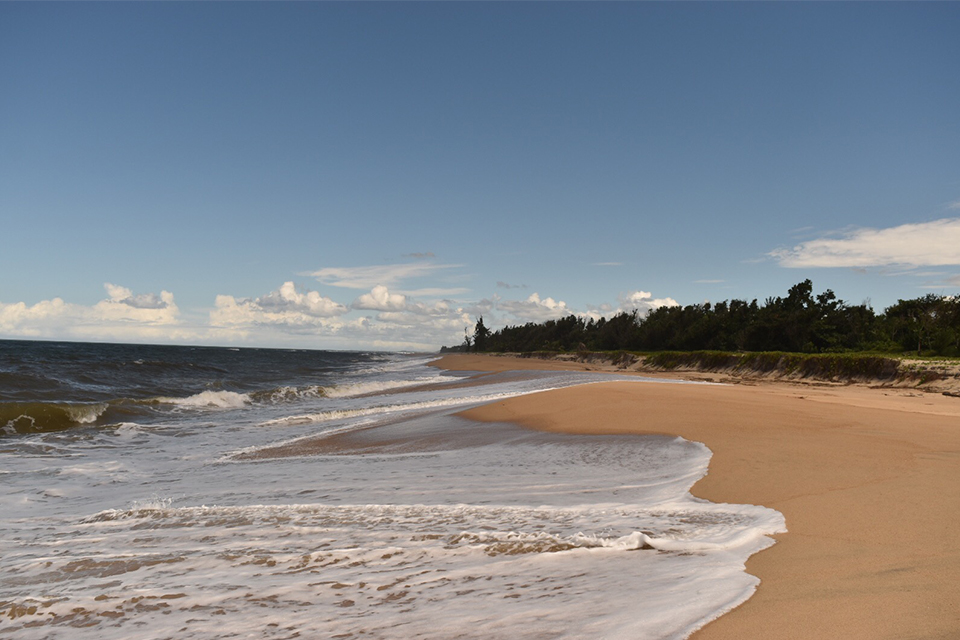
868	480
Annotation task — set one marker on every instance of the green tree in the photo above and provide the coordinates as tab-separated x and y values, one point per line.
913	321
480	335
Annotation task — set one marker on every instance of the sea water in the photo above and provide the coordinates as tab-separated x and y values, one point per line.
177	492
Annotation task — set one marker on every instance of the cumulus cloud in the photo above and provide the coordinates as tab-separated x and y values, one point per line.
123	306
380	299
287	298
643	302
382	318
125	296
369	277
533	309
285	306
290	317
414	325
922	244
122	316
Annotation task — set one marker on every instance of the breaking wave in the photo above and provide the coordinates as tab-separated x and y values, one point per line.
340	414
209	399
38	417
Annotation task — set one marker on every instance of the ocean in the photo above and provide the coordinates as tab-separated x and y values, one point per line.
191	492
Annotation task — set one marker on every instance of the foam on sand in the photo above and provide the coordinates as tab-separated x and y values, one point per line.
422	524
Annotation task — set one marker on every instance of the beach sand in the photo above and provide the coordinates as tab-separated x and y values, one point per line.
867	479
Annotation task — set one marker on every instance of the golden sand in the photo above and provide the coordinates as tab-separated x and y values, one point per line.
868	480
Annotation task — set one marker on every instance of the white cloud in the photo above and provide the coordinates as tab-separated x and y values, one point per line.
922	244
369	277
123	306
954	205
643	302
121	317
417	326
287	298
533	309
708	281
142	301
484	307
285	306
289	317
380	319
380	299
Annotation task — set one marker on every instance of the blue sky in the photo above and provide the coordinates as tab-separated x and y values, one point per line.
366	175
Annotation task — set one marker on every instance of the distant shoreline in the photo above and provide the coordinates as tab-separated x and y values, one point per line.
933	375
867	479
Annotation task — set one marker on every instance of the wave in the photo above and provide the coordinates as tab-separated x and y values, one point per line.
285	394
208	399
365	388
24	418
38	417
42	415
340	414
393	365
282	395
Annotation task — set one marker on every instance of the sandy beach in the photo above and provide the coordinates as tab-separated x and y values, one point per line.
868	480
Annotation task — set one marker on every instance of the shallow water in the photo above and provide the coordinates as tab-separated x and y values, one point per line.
206	518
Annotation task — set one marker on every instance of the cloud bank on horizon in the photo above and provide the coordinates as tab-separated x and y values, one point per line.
294	316
387	316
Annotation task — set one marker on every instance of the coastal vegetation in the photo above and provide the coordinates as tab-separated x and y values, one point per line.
799	323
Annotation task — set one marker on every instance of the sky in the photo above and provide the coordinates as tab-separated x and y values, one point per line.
379	175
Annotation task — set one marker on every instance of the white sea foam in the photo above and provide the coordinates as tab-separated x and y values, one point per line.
341	414
490	531
128	430
362	388
397	365
398	570
87	413
210	399
154	503
244	453
290	393
10	428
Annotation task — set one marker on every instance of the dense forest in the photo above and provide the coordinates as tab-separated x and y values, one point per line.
800	322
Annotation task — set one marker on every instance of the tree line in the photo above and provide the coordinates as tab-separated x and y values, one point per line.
800	322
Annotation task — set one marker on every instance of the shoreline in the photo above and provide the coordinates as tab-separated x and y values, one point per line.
867	479
867	370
